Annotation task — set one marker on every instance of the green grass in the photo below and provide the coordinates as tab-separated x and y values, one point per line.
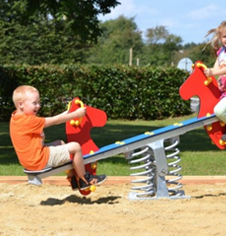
198	155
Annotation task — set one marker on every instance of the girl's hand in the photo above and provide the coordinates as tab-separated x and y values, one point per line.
208	72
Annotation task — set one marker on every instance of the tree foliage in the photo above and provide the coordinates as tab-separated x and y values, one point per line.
38	40
161	46
118	37
80	15
203	53
61	32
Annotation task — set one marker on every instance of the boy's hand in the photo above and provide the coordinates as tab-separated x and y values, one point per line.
80	111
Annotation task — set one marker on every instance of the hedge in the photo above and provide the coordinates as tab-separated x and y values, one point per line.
123	92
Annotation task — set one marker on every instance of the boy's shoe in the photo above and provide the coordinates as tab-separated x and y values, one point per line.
92	180
73	182
223	138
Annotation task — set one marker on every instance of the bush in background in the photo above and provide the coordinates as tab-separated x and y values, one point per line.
123	92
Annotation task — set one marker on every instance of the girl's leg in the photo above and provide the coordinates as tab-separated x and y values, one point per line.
220	110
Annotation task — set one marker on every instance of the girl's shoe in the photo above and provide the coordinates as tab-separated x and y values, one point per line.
223	138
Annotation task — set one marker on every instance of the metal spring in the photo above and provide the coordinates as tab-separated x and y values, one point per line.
144	156
174	168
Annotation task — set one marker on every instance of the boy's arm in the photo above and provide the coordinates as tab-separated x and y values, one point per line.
65	112
63	117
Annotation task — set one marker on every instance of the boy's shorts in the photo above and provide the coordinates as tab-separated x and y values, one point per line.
59	155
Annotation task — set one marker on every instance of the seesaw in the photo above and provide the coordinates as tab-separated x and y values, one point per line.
154	155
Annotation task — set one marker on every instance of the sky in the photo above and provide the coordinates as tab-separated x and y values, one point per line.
189	19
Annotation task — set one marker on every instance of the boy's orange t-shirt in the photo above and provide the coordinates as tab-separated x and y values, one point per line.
25	132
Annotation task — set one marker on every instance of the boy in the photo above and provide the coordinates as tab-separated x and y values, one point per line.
26	131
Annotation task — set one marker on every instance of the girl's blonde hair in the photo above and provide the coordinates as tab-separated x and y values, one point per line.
20	93
216	38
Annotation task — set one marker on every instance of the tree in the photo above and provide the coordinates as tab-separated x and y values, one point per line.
203	53
161	46
118	37
37	40
80	15
156	35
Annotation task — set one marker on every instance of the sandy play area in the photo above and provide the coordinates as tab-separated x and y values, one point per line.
56	210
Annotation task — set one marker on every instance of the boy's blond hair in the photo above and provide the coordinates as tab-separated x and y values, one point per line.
20	93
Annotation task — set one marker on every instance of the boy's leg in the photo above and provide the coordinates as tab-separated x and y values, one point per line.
59	155
77	161
72	178
85	178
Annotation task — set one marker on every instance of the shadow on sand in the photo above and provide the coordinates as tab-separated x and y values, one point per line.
80	200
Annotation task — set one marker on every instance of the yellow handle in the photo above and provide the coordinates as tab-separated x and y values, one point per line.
201	65
77	122
68	106
79	102
208	79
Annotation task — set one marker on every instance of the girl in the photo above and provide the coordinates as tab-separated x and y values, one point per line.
218	42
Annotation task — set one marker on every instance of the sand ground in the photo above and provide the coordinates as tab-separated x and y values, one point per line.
56	210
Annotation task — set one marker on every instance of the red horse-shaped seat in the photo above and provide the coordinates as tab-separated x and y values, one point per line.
197	84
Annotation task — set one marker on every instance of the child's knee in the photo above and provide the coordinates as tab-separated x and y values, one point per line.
62	142
74	147
220	113
216	111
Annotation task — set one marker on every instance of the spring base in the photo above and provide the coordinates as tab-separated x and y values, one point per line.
135	196
157	163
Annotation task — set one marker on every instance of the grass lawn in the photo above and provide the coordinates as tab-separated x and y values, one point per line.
198	155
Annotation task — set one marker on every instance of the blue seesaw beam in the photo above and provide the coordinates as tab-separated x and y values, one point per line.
127	145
